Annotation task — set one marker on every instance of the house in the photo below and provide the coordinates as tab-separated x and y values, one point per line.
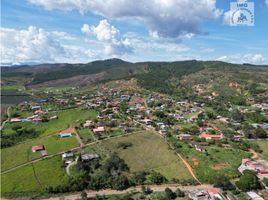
199	195
214	193
207	136
237	138
100	129
205	194
37	119
36	107
88	124
253	196
67	132
38	148
185	137
67	155
259	166
88	157
163	132
200	146
39	112
14	120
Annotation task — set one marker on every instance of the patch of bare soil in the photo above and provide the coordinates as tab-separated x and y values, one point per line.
218	166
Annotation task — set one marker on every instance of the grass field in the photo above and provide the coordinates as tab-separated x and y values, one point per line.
264	147
218	161
67	118
86	135
48	172
21	153
149	151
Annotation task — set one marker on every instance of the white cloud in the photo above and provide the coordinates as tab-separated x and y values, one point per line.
165	18
243	58
227	17
266	2
109	35
34	45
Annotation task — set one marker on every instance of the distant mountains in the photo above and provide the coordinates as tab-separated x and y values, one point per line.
151	75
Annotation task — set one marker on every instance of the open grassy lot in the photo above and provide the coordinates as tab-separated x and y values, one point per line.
21	180
48	172
216	162
86	135
264	147
21	153
66	119
149	151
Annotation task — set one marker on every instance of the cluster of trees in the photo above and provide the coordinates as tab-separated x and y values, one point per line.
113	173
19	134
248	181
159	76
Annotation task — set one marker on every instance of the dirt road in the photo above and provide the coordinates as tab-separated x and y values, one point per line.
156	188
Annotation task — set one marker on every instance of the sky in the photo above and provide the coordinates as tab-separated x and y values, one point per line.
80	31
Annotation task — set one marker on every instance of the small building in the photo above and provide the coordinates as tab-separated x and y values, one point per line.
67	155
237	138
185	137
39	112
207	136
36	107
100	129
253	196
89	157
14	120
199	195
88	124
38	148
259	166
67	132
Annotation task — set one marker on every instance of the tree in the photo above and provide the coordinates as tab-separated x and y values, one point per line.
180	193
224	183
260	133
248	181
237	116
170	194
120	183
157	178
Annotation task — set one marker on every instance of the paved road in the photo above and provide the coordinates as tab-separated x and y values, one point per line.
156	188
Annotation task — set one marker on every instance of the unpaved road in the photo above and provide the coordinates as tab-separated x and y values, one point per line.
156	188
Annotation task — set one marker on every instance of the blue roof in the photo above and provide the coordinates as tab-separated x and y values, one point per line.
65	135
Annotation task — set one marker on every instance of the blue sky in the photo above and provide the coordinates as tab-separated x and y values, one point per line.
38	31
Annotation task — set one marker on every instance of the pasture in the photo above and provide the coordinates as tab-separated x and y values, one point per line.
264	147
217	161
21	153
35	177
148	152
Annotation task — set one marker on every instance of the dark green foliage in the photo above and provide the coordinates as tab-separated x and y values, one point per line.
124	145
120	182
20	134
139	178
248	181
159	76
170	194
157	178
180	193
224	183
